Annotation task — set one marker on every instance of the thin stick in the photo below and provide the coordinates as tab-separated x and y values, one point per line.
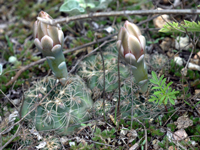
145	132
30	110
104	75
119	83
9	100
15	135
120	13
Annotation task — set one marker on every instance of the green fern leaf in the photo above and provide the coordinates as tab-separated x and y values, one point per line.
178	28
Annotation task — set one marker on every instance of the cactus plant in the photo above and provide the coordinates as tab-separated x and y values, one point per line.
131	46
141	107
70	101
92	69
64	106
158	61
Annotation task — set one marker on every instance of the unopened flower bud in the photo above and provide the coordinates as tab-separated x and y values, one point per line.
131	45
49	40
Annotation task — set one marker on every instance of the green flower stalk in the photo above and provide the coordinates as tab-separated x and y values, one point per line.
131	46
49	40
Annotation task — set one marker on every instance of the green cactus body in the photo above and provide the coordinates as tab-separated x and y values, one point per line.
141	108
57	64
158	61
64	106
92	69
98	107
141	76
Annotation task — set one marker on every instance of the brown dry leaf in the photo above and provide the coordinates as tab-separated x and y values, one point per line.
79	51
167	44
197	91
170	54
180	135
183	122
89	49
172	148
160	21
155	144
132	135
195	61
197	56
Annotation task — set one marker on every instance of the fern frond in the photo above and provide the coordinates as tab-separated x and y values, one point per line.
176	27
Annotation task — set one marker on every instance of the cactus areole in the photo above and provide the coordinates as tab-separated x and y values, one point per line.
49	40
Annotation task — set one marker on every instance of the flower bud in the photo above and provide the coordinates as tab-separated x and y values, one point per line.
49	40
131	46
131	43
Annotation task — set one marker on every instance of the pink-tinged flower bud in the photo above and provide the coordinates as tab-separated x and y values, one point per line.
131	46
49	40
47	36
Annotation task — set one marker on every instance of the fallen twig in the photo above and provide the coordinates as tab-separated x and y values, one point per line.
121	13
10	140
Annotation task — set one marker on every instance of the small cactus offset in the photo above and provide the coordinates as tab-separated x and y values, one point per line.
131	46
66	106
158	61
92	69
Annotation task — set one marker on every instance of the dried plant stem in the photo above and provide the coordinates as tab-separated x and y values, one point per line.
119	84
10	140
9	100
101	53
121	13
145	132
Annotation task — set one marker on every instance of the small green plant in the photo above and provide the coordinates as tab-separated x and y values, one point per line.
102	138
163	93
175	27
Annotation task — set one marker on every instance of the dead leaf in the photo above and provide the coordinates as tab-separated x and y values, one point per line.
172	148
180	135
183	122
160	21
